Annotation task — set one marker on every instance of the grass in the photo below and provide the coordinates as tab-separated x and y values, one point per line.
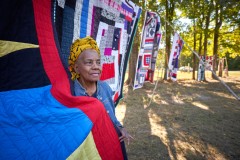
185	120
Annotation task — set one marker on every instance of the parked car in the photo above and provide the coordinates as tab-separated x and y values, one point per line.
185	69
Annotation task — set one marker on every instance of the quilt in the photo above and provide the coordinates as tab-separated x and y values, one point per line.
112	23
39	117
150	42
174	55
208	62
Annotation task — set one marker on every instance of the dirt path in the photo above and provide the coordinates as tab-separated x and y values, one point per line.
186	120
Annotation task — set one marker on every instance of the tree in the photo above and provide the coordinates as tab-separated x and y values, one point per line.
169	6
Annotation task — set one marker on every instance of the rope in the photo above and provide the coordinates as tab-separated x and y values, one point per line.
155	87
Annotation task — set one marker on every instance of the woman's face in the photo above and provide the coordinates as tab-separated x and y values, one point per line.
88	66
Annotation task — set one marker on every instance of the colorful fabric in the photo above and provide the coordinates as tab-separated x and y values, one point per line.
208	62
150	41
34	125
201	70
174	55
206	65
39	117
109	68
78	46
8	47
111	23
87	150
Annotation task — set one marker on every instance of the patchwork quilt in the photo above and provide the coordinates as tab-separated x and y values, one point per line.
112	23
39	117
150	41
208	62
174	56
208	65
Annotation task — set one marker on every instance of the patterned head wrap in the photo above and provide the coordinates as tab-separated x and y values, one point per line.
77	48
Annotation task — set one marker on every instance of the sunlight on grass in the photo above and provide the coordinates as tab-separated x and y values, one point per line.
149	95
177	100
185	120
213	150
200	105
164	102
225	95
120	112
184	145
192	148
156	128
145	101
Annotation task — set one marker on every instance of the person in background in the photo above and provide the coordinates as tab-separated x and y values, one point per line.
85	67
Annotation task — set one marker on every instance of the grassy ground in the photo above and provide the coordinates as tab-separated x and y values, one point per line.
183	120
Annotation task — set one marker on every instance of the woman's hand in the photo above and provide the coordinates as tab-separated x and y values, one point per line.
125	135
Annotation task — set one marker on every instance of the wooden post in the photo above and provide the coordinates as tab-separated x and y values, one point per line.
220	67
226	68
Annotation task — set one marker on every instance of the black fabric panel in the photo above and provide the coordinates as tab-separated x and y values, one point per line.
71	3
116	38
107	21
97	17
21	69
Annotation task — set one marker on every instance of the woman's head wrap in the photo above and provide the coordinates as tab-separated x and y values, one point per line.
77	48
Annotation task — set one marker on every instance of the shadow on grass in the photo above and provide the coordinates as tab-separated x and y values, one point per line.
145	144
186	120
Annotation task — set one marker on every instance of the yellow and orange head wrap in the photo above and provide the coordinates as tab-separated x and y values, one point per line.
77	48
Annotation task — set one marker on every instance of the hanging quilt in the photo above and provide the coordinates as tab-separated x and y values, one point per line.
208	61
39	117
150	41
112	24
201	70
174	55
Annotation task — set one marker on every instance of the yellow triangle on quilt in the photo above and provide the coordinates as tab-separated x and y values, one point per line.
87	150
7	47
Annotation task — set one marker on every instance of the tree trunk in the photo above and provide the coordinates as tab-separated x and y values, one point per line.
226	68
200	44
218	24
194	48
169	15
206	30
194	41
220	67
132	64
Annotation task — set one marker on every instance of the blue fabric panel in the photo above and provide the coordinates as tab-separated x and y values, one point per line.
67	33
84	19
36	126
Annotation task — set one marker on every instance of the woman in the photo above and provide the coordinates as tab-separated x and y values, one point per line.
85	67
